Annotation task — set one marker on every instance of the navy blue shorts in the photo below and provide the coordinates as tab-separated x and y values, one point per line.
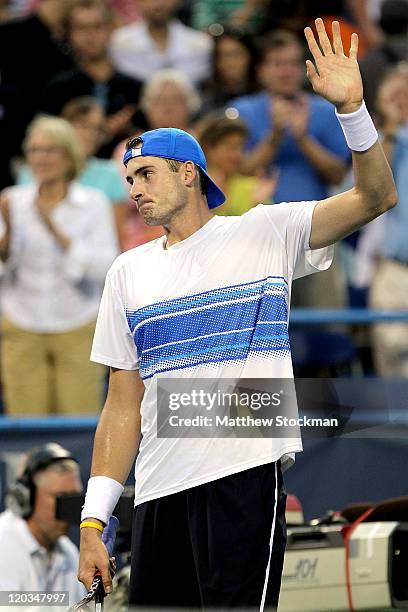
218	545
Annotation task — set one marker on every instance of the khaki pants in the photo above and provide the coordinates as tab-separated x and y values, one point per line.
50	373
390	291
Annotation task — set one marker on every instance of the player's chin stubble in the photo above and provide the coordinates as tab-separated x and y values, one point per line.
153	216
150	218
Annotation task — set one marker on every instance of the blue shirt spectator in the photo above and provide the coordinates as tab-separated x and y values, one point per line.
297	178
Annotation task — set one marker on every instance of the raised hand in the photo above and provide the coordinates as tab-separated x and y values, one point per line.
334	76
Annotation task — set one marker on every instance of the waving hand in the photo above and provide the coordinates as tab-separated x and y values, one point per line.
334	75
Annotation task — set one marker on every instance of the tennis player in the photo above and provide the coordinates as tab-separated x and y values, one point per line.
210	300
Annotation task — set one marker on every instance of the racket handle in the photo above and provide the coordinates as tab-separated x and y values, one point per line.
109	534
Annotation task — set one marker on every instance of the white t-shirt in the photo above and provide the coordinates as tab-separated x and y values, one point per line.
135	53
214	305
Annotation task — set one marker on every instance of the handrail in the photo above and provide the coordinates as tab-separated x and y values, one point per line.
303	316
55	422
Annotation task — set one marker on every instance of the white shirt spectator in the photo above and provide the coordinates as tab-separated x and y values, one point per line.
135	53
25	565
46	289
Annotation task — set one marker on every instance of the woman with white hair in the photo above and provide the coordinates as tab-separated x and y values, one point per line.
58	240
169	99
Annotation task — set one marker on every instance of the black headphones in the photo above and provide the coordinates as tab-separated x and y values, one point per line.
20	496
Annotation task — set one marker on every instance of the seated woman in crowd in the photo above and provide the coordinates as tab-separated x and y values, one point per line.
223	140
57	242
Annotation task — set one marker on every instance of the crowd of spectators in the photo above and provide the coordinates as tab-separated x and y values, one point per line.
79	77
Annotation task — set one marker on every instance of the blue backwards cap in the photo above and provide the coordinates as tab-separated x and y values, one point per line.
172	143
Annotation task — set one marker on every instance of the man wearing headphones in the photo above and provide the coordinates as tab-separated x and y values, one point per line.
36	553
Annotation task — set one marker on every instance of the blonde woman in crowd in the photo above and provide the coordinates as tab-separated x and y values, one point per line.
58	240
88	118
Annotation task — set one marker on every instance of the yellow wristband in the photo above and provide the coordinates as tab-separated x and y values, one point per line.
91	524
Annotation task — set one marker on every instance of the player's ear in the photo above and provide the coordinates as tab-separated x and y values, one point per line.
189	173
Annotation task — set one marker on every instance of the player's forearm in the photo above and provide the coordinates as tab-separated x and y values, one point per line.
116	442
373	181
374	190
329	166
373	194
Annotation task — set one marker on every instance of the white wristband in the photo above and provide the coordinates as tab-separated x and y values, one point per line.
101	497
358	128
